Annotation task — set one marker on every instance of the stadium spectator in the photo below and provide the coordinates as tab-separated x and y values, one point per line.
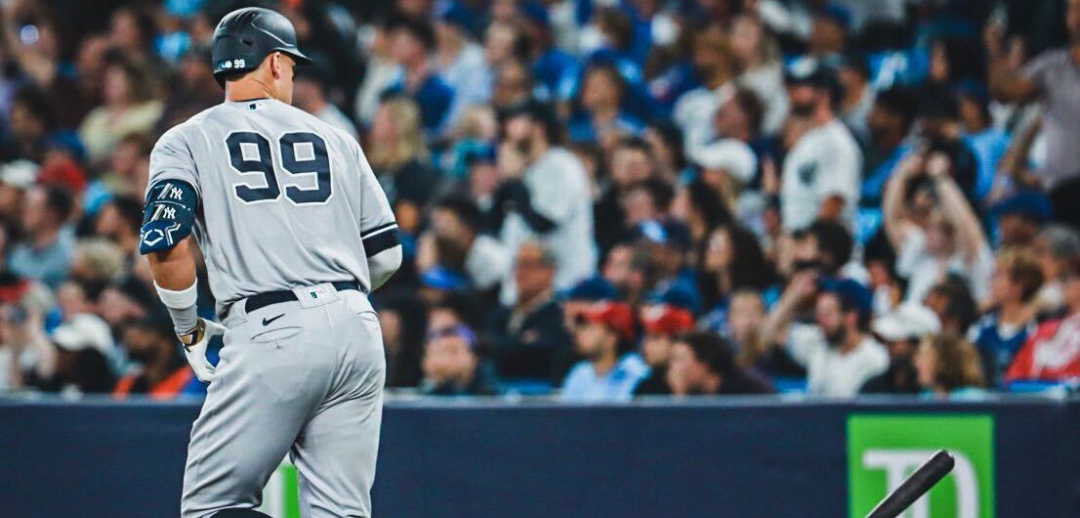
602	119
1056	248
1020	217
162	373
50	243
404	323
604	335
460	60
455	240
452	365
702	364
663	321
196	91
952	302
762	69
632	162
745	317
129	107
837	350
715	63
412	41
1053	78
1011	320
902	331
1052	353
949	366
821	173
399	159
119	221
77	360
544	195
732	261
528	339
931	243
888	126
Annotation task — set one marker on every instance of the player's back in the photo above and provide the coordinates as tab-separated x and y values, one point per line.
284	198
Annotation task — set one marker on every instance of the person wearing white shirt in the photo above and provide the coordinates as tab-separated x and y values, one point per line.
951	241
821	173
545	196
837	351
695	110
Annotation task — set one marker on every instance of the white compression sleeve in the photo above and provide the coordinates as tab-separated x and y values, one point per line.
181	305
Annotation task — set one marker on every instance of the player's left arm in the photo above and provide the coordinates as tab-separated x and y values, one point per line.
168	220
378	227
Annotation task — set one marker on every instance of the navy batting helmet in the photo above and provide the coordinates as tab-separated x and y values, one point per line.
246	36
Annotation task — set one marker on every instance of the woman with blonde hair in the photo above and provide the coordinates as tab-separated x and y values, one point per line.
400	160
130	107
949	366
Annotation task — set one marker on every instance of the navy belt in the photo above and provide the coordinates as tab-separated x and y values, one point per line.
262	300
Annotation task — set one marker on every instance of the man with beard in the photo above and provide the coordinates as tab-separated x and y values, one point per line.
163	372
902	331
838	353
820	177
544	196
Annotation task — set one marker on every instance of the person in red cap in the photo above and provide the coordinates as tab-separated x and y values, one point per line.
604	335
663	323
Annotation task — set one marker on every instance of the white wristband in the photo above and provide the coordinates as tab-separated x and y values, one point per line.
182	299
181	305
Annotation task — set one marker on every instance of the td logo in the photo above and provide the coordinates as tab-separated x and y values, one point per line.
884	449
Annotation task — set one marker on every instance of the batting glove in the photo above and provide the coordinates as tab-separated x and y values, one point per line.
195	343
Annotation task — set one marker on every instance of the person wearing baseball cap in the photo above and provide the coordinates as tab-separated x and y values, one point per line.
604	334
820	177
663	320
901	331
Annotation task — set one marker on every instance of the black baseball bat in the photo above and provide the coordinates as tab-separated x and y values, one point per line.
916	485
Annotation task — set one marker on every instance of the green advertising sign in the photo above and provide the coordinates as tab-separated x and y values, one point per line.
280	496
884	449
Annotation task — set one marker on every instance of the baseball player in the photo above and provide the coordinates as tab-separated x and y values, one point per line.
295	232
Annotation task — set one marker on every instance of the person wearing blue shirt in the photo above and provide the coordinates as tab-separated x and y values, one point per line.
1001	333
604	334
602	119
412	42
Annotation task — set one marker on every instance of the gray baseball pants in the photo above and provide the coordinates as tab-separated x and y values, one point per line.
308	383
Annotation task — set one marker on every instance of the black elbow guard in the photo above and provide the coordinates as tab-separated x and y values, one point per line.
169	215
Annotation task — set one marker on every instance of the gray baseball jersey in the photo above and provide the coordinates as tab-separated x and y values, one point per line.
285	200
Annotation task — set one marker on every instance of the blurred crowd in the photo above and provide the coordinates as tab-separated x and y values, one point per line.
600	199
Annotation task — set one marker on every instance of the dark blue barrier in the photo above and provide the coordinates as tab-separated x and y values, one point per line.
735	458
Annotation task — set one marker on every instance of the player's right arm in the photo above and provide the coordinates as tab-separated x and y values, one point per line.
172	201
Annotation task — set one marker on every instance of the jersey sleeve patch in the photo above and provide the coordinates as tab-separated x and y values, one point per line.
169	215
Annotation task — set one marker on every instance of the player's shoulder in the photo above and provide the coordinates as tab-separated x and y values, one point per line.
320	126
182	131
